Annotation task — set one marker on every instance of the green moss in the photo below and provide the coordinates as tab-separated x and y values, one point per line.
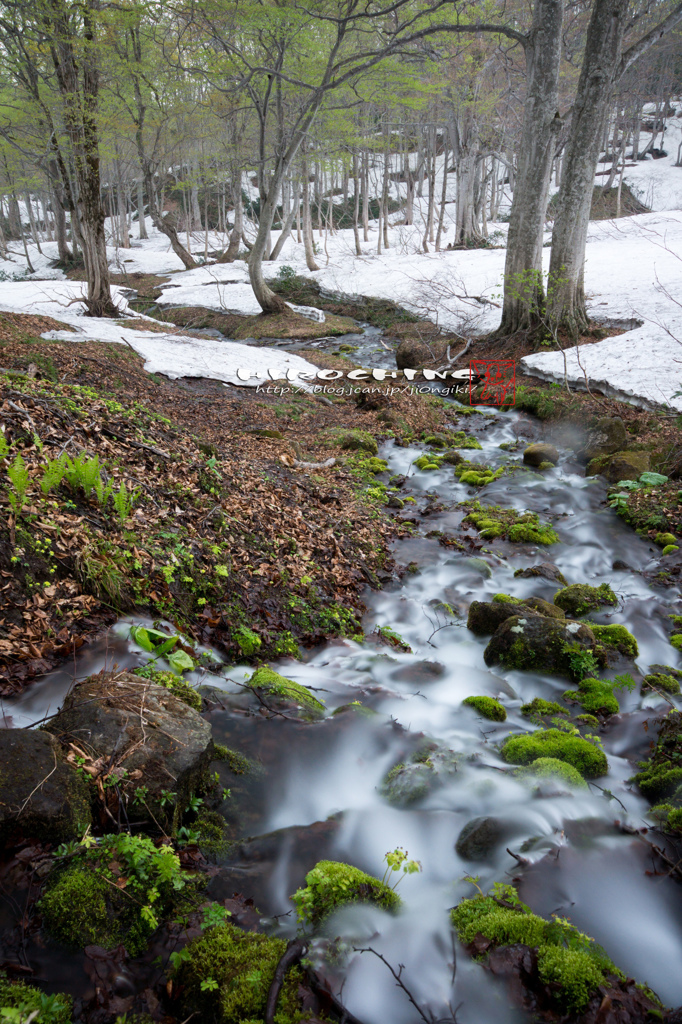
414	779
182	690
488	707
589	760
521	527
535	401
507	599
241	965
476	474
676	641
272	683
238	763
670	549
579	598
545	465
660	777
571	963
352	440
211	832
427	462
459	439
114	892
587	719
665	539
17	995
659	681
539	707
552	768
617	637
247	640
331	884
596	696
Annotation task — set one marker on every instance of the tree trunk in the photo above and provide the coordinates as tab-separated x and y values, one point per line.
268	301
13	217
443	193
523	290
286	231
356	205
166	225
65	255
142	223
365	196
307	225
566	299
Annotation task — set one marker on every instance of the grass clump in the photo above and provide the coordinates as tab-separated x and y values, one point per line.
272	684
552	768
20	1002
568	961
579	598
226	974
331	884
588	759
521	527
488	707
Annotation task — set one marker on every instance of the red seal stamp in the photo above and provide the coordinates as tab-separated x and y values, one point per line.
498	377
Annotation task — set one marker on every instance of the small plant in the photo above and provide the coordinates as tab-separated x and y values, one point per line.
395	860
82	472
18	475
53	474
124	501
581	660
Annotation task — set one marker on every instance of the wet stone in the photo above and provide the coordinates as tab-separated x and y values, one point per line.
479	839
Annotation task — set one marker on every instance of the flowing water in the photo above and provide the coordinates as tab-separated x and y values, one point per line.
581	863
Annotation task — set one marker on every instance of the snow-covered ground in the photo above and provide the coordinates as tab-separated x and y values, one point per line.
633	272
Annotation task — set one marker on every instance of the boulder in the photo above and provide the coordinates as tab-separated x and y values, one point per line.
486	616
479	838
544	607
622	465
413	354
546	570
541	644
425	770
608	436
136	732
40	794
536	454
580	598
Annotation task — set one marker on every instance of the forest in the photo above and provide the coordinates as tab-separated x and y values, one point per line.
340	511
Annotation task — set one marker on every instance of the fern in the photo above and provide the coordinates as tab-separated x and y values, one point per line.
53	474
82	472
18	475
102	491
4	447
124	501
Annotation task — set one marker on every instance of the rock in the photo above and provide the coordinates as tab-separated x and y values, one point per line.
544	608
395	502
536	454
486	616
413	354
480	566
608	436
40	794
580	598
547	570
137	731
478	838
541	644
620	466
424	771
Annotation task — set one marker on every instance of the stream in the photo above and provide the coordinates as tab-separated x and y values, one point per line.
580	864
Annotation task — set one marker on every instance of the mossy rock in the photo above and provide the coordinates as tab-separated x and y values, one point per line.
426	769
48	1009
545	570
661	681
588	759
579	598
332	884
538	708
537	454
660	778
551	957
479	838
487	707
606	437
596	696
616	638
41	794
427	462
665	539
491	521
476	474
553	768
670	549
485	616
543	645
176	684
459	439
625	465
242	967
272	685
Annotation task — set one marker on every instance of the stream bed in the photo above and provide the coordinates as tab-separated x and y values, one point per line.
577	859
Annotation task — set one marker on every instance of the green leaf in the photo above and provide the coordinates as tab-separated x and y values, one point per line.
653	479
631	485
153	640
180	662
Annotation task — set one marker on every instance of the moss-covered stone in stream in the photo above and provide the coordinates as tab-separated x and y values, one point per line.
596	696
491	521
272	684
661	681
226	974
579	598
332	884
660	777
566	969
587	758
538	708
20	1002
552	768
487	707
182	690
615	638
425	769
476	474
544	645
